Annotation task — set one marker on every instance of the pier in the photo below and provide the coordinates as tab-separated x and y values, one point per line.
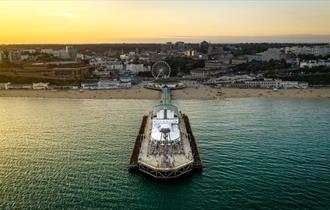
165	146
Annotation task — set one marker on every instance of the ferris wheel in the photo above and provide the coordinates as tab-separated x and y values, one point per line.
161	70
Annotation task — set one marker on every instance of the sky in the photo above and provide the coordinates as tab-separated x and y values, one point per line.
34	22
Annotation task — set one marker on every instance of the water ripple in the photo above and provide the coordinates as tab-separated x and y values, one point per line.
257	153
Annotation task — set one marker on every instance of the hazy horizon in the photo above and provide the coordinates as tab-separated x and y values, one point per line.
321	39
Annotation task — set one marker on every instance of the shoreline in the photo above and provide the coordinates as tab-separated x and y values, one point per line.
189	93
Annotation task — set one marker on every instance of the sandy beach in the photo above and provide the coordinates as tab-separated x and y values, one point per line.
189	93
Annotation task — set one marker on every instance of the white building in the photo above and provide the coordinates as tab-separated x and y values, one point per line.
112	84
124	57
89	86
237	78
5	86
314	63
105	85
14	56
268	83
40	86
68	53
115	66
56	53
136	68
289	84
305	50
271	54
24	57
264	84
20	86
47	51
29	51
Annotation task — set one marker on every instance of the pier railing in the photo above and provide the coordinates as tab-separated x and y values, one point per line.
197	160
133	163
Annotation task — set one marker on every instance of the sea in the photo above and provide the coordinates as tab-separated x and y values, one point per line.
257	153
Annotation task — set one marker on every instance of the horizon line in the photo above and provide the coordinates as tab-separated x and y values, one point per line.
100	43
289	38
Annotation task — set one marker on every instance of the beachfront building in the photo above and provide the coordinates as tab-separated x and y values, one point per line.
266	84
40	86
158	85
233	79
89	86
105	85
20	86
5	86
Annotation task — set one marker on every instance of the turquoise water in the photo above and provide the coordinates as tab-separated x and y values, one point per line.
257	153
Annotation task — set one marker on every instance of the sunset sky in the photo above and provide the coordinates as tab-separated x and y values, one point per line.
161	21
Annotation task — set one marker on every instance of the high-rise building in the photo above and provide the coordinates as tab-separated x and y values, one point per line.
210	49
203	47
179	46
167	47
71	52
14	56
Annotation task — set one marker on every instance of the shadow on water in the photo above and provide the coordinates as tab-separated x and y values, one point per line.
171	182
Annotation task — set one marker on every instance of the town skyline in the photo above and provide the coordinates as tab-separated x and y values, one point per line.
82	22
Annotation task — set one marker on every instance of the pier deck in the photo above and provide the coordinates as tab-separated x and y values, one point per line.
153	164
178	156
165	160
